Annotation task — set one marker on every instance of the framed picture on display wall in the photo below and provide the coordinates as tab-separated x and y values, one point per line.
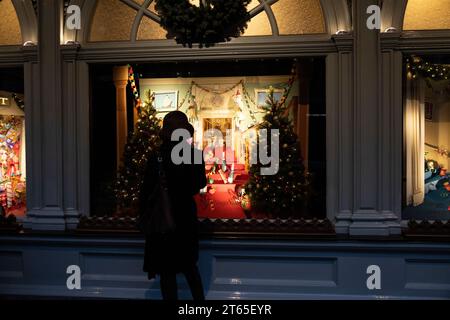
166	101
262	95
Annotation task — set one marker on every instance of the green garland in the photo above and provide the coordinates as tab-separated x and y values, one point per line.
418	67
212	22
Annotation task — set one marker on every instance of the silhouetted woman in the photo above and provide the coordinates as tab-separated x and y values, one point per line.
178	253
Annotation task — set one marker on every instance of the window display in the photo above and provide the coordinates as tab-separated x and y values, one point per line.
427	139
12	156
226	116
250	130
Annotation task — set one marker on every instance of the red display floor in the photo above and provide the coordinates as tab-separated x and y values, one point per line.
221	204
221	200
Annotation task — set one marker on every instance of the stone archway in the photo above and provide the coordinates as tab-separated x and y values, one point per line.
337	15
399	14
392	14
27	19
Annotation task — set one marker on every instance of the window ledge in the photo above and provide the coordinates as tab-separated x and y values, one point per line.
221	227
416	230
425	229
9	224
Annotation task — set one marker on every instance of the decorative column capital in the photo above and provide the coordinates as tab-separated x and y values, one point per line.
69	51
120	76
390	40
30	53
343	42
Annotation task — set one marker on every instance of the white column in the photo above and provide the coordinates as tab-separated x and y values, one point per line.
120	76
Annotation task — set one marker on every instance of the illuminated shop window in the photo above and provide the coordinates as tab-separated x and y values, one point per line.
113	20
427	139
227	104
12	155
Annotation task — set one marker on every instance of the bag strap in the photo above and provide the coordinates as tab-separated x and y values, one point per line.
161	171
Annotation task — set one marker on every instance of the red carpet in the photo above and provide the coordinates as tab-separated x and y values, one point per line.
221	202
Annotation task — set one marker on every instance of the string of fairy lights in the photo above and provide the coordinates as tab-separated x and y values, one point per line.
418	67
291	81
133	85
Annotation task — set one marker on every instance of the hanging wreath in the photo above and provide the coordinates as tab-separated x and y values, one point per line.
211	22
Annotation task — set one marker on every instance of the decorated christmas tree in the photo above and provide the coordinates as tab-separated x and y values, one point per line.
284	194
140	144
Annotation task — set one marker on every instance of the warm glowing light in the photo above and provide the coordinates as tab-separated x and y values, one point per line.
195	2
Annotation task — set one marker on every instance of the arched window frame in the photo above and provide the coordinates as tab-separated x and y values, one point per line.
393	17
26	16
335	14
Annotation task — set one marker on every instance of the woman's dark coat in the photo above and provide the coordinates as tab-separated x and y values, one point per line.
180	251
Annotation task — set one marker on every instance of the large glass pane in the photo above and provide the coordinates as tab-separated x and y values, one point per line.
227	104
427	139
12	143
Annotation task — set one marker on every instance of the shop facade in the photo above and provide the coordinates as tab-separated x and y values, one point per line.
330	257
